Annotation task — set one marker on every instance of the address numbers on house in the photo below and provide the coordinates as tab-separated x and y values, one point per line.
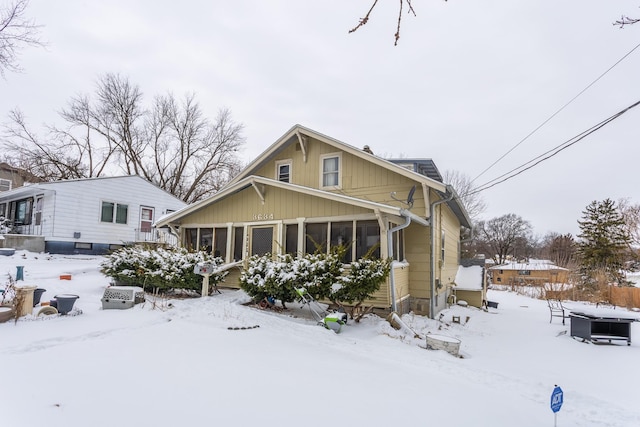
262	216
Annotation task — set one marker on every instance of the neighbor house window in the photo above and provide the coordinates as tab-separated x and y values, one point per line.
3	209
5	184
524	272
330	167
114	212
23	212
283	171
80	245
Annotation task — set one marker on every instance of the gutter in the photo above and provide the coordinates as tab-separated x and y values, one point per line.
432	245
408	216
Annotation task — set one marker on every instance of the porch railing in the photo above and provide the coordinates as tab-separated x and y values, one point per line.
156	236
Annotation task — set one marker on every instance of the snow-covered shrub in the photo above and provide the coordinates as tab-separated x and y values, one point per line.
322	275
317	273
277	278
363	278
268	278
159	268
5	225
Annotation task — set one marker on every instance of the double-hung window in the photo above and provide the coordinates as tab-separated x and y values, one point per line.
330	170
5	184
283	171
114	212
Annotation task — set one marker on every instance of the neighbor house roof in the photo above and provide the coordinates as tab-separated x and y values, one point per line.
540	265
48	186
469	278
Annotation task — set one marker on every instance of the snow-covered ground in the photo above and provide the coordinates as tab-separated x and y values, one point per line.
178	363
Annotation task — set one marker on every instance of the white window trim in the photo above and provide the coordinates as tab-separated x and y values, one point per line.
153	216
329	156
287	162
115	213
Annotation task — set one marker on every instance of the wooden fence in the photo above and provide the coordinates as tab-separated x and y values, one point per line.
619	296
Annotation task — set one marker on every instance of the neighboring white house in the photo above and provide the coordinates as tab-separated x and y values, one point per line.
89	216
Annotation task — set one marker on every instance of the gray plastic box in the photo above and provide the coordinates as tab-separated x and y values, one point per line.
122	297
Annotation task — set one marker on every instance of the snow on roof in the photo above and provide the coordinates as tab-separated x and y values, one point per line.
469	277
534	264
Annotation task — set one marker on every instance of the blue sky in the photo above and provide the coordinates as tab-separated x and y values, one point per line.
466	83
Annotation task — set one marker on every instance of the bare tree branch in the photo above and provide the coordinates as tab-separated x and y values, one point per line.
364	20
16	32
463	184
39	158
625	20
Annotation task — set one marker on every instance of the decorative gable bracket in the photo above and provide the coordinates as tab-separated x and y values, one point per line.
259	189
302	139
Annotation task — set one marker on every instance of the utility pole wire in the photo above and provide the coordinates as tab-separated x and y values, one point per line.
537	160
555	114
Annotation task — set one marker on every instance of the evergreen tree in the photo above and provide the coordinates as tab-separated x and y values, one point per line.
604	240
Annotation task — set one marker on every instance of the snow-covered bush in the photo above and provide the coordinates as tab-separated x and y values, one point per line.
5	225
269	278
362	280
322	275
159	268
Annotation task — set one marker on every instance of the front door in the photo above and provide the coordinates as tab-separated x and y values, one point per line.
37	215
261	240
146	219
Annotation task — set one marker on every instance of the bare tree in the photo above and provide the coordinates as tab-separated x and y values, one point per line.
559	248
193	157
25	150
16	32
171	144
499	237
631	216
472	201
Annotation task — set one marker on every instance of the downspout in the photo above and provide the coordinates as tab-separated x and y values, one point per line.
407	216
432	245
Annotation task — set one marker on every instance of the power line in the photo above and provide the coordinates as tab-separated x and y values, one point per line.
550	153
556	113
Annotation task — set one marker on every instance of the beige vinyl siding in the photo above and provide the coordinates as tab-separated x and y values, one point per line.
280	204
401	280
472	297
417	254
452	236
232	280
359	177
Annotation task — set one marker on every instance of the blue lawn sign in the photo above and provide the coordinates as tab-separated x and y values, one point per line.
556	399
